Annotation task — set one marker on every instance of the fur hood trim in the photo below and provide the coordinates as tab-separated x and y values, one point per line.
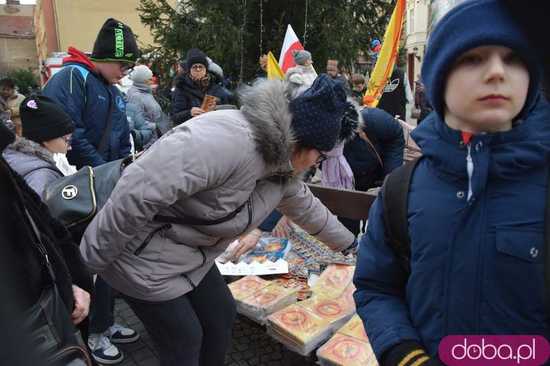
29	147
265	106
351	122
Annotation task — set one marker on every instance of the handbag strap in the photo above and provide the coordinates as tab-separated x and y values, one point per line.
40	246
108	127
366	138
183	219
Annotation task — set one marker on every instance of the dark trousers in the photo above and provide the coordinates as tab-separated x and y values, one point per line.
102	307
362	183
193	329
351	225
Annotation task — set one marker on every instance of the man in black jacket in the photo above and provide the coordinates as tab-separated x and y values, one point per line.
394	98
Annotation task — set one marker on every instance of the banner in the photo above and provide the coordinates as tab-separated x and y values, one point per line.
386	59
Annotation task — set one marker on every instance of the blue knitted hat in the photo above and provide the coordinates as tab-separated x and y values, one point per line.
469	25
317	114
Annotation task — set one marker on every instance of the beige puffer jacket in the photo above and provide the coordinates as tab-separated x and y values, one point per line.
205	168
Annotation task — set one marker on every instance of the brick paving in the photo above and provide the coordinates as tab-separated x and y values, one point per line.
251	346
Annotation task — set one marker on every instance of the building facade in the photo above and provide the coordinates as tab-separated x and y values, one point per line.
17	41
416	32
63	23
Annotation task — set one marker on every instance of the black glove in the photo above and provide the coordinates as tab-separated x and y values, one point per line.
352	249
407	354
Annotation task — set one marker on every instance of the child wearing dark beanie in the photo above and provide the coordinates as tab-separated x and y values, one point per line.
46	132
43	120
472	259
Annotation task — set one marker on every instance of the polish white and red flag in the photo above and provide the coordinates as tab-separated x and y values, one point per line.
290	44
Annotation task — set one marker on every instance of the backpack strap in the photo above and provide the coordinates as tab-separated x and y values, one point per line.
104	142
395	193
84	72
105	137
547	249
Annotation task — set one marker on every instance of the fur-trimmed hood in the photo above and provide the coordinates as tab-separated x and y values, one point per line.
265	106
25	156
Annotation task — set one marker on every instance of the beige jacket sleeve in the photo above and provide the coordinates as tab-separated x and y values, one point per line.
302	207
170	171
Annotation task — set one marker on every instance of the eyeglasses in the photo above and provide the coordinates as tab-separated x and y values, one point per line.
198	67
322	157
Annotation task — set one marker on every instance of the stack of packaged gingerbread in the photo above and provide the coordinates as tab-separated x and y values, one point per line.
304	326
350	346
257	298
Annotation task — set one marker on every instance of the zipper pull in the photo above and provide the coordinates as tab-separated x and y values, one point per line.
470	170
466	138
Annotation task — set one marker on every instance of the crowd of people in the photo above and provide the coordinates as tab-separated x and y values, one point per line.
231	164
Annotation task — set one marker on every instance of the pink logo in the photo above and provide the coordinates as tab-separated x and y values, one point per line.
492	350
32	104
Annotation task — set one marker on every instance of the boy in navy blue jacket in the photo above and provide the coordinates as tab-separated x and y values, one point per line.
85	89
476	200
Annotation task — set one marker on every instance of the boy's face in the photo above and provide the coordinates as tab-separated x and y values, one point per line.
486	89
113	72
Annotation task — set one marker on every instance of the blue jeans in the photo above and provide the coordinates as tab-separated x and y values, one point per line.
193	329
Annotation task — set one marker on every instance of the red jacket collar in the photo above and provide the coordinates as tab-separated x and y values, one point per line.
76	56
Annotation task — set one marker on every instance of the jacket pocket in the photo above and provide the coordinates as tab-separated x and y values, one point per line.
514	280
524	245
149	237
175	260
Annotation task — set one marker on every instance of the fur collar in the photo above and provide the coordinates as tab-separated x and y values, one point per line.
265	106
29	147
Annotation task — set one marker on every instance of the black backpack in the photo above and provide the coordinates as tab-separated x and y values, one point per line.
395	199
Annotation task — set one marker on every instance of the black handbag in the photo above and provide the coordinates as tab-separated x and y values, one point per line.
48	323
75	199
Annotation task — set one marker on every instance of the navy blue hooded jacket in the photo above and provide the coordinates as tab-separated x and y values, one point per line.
85	96
386	134
476	264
